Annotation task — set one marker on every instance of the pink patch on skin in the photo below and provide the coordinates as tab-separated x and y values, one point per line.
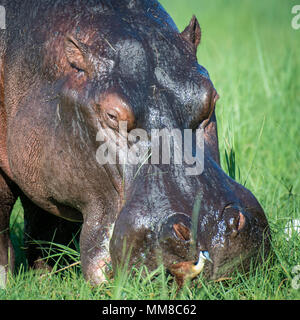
100	271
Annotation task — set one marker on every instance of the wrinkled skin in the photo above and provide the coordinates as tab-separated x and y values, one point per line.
71	68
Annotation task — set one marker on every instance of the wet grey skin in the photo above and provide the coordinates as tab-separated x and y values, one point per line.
69	69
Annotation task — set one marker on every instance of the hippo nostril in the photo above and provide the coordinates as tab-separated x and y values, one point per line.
182	232
175	228
236	220
237	224
241	221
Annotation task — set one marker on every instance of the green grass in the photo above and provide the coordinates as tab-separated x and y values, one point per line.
252	55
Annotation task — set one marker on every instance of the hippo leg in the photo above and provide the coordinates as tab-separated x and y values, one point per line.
39	226
94	248
7	200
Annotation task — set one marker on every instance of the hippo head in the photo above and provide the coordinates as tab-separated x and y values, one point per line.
167	213
136	68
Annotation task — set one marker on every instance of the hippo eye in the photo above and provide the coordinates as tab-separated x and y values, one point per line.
112	119
113	109
76	68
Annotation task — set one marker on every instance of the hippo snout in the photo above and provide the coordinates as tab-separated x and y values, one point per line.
238	237
232	229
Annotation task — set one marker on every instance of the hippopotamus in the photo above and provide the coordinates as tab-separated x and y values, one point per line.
71	69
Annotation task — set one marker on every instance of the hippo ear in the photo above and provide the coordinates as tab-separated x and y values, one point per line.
76	53
192	33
